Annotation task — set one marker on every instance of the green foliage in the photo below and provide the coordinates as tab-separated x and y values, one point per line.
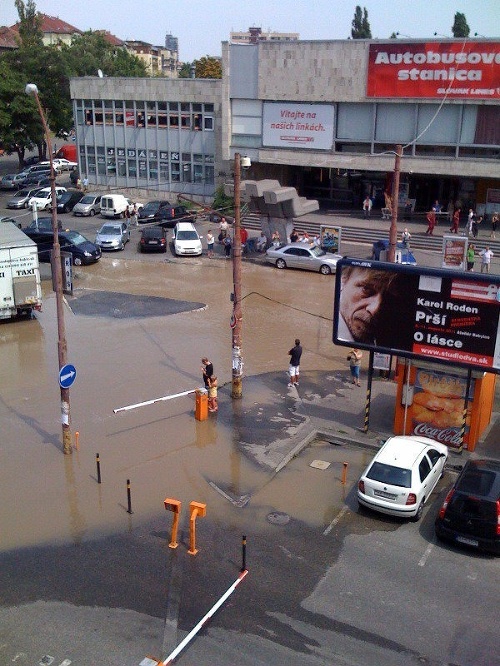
222	202
91	51
185	70
460	27
29	23
208	67
360	24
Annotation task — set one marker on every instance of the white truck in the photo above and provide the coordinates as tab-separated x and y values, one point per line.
20	285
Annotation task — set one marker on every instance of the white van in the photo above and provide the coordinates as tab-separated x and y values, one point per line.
114	205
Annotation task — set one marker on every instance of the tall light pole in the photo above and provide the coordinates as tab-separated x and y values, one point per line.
62	349
393	231
237	361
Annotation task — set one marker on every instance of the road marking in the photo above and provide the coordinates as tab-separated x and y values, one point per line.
340	515
424	557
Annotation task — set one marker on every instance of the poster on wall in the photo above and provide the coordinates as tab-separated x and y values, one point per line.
437	408
330	238
455	252
434	314
294	125
458	69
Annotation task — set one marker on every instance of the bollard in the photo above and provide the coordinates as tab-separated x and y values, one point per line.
201	405
243	553
77	440
98	463
196	509
174	506
129	498
344	473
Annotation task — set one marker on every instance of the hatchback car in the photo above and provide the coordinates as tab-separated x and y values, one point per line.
470	514
67	200
153	239
186	239
303	255
7	182
402	475
43	224
82	250
153	211
43	199
169	216
113	236
38	180
21	198
89	204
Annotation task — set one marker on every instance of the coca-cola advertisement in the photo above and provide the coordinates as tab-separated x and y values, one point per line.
437	409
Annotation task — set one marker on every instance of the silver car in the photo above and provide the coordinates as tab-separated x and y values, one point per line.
303	255
113	236
90	204
20	200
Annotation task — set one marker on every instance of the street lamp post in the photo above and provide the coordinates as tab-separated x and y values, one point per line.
237	360
393	231
62	349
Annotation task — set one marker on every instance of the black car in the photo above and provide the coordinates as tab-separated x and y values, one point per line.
42	224
83	251
153	211
173	214
40	179
153	239
470	514
67	200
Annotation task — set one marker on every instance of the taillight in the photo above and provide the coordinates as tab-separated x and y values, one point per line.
143	242
442	510
411	499
361	486
498	517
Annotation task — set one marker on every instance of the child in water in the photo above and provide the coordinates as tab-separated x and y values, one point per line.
212	394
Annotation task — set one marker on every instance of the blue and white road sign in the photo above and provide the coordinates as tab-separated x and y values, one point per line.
67	375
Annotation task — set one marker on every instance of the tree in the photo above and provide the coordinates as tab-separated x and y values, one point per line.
91	51
360	24
208	67
30	22
185	70
460	27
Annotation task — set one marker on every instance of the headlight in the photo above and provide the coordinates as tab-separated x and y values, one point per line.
87	253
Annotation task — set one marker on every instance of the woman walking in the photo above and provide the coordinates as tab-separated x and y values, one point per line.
354	359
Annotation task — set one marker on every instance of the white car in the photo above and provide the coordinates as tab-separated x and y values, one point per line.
186	239
402	475
61	164
43	198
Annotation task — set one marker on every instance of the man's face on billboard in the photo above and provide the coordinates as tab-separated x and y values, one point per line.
360	301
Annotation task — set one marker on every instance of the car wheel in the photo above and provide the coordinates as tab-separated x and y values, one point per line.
77	261
280	263
92	212
419	513
325	270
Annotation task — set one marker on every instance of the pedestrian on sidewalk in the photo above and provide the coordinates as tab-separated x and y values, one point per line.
470	221
475	225
227	246
495	218
207	370
456	221
212	394
431	221
294	368
405	237
471	251
354	358
210	244
367	206
486	256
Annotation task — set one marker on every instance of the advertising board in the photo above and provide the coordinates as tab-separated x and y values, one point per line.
434	314
295	125
455	252
330	238
458	69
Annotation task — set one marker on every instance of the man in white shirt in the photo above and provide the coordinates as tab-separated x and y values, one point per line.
486	256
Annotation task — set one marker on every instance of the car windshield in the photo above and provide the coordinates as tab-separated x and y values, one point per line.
109	230
187	235
75	238
150	207
393	476
87	200
317	251
22	193
476	482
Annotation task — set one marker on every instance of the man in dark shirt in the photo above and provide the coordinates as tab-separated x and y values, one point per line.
293	370
207	370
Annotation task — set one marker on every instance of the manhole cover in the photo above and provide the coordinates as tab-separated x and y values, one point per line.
278	518
320	464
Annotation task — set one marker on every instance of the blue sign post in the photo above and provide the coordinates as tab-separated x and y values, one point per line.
67	375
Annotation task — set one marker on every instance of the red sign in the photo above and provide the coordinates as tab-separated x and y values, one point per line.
459	70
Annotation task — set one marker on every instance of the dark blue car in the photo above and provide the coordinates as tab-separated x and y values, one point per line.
381	247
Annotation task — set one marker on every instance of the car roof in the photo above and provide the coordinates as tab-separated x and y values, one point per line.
185	225
403	451
488	479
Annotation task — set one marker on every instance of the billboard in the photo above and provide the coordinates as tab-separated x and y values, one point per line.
455	252
295	125
425	313
459	70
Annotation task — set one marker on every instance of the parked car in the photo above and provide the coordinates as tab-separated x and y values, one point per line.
113	236
30	161
43	199
62	164
21	198
186	239
153	239
38	180
381	247
153	211
10	219
19	179
470	514
7	182
43	224
89	204
82	250
402	475
67	200
303	255
170	215
115	205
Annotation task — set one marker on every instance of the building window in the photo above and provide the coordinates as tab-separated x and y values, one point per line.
208	123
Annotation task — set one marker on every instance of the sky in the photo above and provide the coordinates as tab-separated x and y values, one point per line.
201	25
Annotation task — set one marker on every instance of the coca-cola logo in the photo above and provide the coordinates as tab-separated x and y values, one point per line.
448	436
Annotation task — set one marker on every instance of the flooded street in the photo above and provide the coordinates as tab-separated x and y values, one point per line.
46	497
